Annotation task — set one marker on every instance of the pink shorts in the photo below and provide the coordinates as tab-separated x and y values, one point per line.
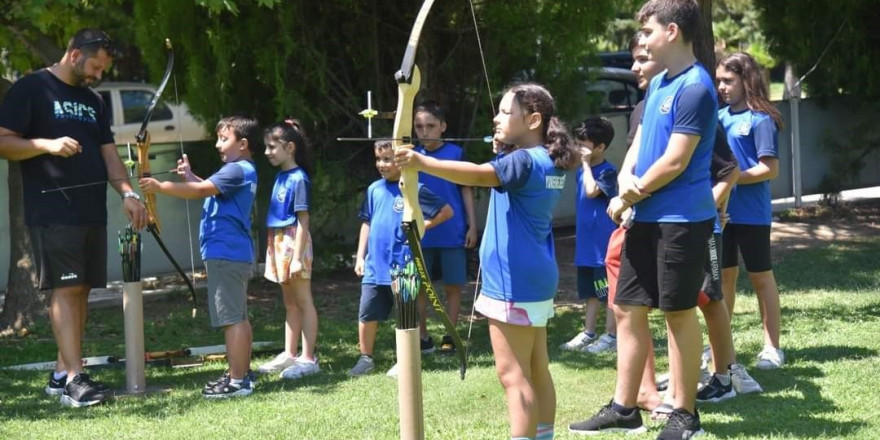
530	314
279	256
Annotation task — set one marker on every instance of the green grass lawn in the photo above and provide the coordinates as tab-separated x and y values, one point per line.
831	334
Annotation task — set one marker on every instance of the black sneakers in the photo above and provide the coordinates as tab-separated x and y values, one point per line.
223	387
427	345
609	420
681	426
56	386
447	345
715	391
251	376
82	391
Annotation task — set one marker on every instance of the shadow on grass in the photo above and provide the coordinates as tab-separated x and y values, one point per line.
793	406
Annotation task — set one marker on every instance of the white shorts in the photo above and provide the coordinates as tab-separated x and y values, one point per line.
530	314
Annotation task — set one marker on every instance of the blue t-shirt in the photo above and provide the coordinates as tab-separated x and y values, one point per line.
751	135
42	106
594	227
383	210
517	253
686	104
450	233
290	194
225	232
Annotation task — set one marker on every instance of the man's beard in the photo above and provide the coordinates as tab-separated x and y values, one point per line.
79	77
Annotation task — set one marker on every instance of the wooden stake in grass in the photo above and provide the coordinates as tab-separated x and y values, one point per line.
133	311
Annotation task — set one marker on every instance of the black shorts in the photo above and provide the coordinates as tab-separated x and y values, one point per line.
712	269
592	282
70	255
662	265
752	242
377	301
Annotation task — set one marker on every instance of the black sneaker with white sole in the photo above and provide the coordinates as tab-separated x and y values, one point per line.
226	388
83	391
427	345
715	391
56	386
681	425
609	420
225	376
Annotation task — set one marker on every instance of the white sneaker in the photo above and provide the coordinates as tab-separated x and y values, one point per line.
605	343
742	382
393	371
578	343
770	358
300	368
280	362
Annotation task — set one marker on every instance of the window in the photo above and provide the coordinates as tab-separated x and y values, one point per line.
134	107
614	95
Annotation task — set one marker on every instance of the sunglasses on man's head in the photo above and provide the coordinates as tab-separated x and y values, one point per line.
102	42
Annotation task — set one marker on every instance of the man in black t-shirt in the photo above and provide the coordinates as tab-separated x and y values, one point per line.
59	129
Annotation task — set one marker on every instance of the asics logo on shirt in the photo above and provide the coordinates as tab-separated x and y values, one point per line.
398	204
74	111
554	182
666	106
743	128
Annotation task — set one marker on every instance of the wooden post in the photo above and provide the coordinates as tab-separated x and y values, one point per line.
133	313
409	384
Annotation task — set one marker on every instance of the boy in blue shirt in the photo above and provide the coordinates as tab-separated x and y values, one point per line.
596	185
381	244
665	178
225	243
447	244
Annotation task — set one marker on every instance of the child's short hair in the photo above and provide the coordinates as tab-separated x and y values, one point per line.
382	145
433	108
634	41
684	13
595	129
244	127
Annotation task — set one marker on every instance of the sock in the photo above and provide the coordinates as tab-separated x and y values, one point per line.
591	335
59	376
622	410
724	378
521	438
236	382
545	432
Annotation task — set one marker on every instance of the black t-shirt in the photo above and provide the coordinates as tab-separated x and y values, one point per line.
42	106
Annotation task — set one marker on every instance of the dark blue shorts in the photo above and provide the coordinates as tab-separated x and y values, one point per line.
592	283
376	303
447	264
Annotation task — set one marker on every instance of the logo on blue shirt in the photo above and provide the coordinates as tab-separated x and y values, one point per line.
554	182
398	204
743	128
666	106
282	194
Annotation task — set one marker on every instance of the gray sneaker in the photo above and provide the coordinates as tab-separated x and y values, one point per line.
364	365
742	382
605	343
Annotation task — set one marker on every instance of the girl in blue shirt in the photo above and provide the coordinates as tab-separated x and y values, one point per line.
752	125
519	270
289	248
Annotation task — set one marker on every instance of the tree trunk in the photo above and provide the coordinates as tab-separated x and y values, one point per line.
704	45
24	302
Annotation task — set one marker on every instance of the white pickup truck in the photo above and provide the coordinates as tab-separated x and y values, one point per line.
128	101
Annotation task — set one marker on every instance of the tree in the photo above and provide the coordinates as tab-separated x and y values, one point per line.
315	60
794	34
